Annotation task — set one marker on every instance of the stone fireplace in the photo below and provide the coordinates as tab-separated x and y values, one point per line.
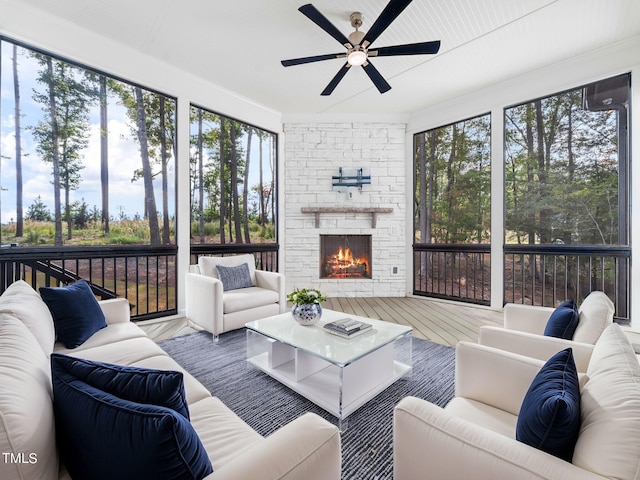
345	256
315	210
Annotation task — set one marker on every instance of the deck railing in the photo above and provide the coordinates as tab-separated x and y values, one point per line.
533	274
454	272
547	274
144	275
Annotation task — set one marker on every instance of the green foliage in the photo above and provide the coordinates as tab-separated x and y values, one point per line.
305	296
38	211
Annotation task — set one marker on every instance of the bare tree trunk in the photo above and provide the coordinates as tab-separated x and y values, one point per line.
149	197
200	179
261	193
104	154
165	180
234	184
245	194
223	206
55	157
18	129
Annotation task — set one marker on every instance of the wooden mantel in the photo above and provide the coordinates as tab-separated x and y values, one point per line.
374	211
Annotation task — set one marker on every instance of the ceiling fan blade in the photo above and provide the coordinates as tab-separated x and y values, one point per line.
423	48
313	14
380	83
335	80
317	58
388	15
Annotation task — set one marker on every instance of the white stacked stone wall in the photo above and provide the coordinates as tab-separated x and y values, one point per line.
314	152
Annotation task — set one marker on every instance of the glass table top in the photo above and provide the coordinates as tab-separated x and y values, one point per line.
316	341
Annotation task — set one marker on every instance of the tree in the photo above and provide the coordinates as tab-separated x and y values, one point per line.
38	211
18	130
64	134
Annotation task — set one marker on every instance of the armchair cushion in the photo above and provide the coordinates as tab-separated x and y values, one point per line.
246	298
76	312
563	321
549	417
234	278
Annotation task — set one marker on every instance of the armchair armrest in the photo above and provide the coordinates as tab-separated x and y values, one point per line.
429	442
203	302
273	281
526	318
492	376
308	448
116	310
533	345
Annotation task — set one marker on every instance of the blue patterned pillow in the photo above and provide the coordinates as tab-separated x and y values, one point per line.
233	278
103	437
563	321
76	312
549	417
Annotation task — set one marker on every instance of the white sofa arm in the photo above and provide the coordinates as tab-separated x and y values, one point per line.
492	376
116	310
273	281
308	448
533	345
203	302
526	318
429	442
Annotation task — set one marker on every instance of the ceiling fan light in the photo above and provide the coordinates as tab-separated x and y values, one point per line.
356	58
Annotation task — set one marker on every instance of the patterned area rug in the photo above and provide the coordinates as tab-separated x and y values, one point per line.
266	405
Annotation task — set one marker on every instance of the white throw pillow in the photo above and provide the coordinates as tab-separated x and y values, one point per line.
27	425
596	314
24	303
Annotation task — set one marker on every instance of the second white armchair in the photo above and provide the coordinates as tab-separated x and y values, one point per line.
224	293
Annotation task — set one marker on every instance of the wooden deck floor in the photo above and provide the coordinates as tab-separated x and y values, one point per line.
441	322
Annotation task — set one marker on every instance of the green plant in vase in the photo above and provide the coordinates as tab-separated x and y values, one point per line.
307	308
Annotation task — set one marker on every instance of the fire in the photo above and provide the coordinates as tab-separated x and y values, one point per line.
344	263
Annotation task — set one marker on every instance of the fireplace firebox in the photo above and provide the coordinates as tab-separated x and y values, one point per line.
345	256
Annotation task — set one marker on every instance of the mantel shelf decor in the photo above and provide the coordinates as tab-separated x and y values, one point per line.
374	211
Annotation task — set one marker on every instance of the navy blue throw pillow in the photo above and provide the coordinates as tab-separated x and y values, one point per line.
549	417
142	385
563	321
76	312
103	437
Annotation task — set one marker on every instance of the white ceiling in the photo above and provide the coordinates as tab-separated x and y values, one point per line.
238	44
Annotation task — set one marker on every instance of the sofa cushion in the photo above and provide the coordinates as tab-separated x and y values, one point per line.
233	278
596	314
27	425
207	264
549	418
563	321
246	298
610	431
23	302
76	312
120	438
142	385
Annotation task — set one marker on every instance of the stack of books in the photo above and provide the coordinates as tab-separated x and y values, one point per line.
347	327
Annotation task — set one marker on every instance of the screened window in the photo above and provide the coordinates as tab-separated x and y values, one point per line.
453	183
565	167
233	181
86	159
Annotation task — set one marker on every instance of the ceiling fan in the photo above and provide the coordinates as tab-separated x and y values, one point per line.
358	44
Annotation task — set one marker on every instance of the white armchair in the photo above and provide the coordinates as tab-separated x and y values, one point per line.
474	436
524	326
211	307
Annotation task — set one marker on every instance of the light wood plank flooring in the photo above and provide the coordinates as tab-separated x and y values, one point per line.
441	322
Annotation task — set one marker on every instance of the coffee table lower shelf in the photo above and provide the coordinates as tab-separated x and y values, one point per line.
338	389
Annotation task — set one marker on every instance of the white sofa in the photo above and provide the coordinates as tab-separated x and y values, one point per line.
474	435
306	448
524	326
210	307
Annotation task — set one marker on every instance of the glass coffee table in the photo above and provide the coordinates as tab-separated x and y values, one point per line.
337	374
